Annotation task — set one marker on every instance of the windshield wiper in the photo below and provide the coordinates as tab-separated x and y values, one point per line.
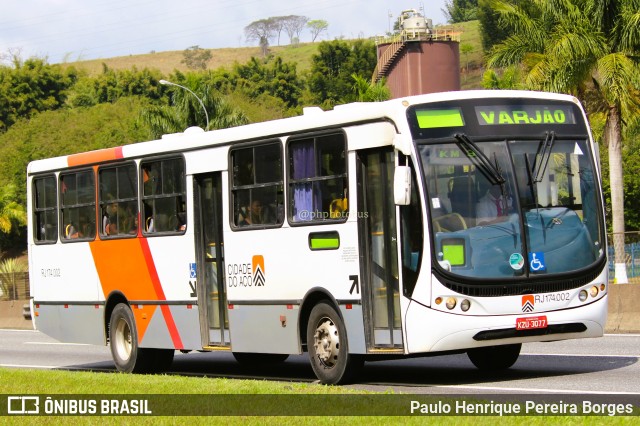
480	160
544	151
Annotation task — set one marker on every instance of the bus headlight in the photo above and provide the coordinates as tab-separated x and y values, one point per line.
593	291
451	303
583	295
465	305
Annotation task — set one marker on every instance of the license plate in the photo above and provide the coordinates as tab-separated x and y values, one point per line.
531	323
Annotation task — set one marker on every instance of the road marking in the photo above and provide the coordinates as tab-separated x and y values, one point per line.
534	390
57	343
42	367
583	355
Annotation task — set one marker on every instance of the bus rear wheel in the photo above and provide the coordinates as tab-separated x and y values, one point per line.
494	358
127	355
328	346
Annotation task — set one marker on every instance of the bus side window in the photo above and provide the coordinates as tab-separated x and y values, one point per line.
78	204
318	178
118	200
256	186
45	209
163	196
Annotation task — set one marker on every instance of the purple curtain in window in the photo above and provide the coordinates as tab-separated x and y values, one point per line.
303	167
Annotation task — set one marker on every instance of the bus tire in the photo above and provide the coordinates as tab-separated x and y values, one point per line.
328	346
250	359
123	336
494	358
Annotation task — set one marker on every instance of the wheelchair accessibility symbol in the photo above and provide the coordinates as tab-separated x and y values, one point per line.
536	262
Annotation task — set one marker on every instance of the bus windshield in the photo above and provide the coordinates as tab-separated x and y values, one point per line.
510	202
524	207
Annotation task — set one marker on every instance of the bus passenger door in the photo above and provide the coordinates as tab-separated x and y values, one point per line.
378	244
212	300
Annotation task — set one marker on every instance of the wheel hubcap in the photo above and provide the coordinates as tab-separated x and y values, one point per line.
123	340
327	342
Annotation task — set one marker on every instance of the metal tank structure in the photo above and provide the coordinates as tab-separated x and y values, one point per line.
420	59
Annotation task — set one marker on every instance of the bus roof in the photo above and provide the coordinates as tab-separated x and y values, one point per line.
312	119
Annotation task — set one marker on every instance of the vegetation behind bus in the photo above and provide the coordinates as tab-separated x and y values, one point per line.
62	109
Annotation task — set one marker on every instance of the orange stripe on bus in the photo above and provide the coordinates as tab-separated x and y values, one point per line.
127	266
93	157
166	312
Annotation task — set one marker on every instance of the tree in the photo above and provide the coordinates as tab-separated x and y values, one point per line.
111	85
317	26
460	10
293	25
330	81
366	91
466	49
196	58
8	280
12	214
31	86
569	46
186	111
261	31
274	77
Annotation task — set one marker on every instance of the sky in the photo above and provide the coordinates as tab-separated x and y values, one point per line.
71	30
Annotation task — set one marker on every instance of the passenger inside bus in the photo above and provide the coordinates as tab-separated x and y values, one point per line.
252	214
70	232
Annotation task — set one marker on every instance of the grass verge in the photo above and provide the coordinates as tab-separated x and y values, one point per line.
21	382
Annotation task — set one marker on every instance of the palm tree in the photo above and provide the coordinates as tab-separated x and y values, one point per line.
10	274
12	214
185	111
572	46
366	91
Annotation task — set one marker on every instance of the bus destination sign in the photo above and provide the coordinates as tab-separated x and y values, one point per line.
524	114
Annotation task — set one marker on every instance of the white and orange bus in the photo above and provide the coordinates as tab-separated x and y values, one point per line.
351	234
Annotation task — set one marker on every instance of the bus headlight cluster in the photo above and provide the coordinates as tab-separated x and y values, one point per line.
452	302
593	291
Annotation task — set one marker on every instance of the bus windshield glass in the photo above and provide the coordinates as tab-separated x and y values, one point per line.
509	202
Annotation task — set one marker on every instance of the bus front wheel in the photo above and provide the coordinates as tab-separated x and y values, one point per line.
328	346
127	355
494	358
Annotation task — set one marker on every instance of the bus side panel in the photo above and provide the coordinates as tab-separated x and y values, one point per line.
289	270
354	322
72	323
144	271
67	297
63	273
265	329
158	335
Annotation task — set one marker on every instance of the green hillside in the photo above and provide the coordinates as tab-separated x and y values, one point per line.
169	61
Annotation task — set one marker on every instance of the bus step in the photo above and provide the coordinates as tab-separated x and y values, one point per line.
217	348
386	351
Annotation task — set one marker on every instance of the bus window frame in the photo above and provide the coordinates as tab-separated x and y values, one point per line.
55	209
142	198
101	202
314	136
232	187
61	206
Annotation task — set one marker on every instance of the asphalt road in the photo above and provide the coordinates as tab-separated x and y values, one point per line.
606	365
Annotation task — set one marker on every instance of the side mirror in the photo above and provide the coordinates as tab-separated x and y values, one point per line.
402	185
